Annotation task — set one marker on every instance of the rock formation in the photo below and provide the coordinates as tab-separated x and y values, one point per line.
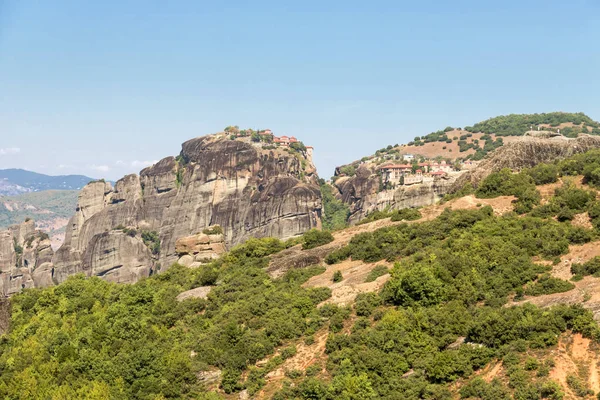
200	248
362	192
157	218
25	258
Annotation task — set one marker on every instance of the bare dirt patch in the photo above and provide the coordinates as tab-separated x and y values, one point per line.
586	293
451	150
577	254
575	355
354	274
501	205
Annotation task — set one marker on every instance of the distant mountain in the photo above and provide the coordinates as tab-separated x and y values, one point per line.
16	181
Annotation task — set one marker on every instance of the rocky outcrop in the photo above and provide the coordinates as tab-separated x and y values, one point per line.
528	152
201	248
25	258
363	195
197	293
156	218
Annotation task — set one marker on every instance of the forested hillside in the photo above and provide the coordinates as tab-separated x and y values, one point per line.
439	320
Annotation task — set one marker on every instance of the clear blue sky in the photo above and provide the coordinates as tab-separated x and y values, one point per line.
102	87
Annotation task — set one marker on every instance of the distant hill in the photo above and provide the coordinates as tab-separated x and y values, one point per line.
17	181
51	210
475	142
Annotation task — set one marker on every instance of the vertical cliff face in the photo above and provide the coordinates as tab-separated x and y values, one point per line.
25	258
363	195
124	233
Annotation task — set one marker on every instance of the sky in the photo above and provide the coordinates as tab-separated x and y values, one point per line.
106	88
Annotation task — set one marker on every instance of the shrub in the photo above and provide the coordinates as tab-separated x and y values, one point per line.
591	267
348	170
365	303
288	352
376	272
543	173
406	214
578	386
548	284
577	200
213	230
337	276
298	146
565	214
152	240
315	238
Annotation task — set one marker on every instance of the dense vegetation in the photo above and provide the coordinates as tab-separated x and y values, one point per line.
315	238
335	212
88	338
441	317
448	268
518	124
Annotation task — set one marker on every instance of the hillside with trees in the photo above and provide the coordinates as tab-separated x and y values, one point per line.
454	306
476	141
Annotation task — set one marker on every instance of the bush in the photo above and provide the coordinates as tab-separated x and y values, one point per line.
543	173
213	230
152	240
298	146
591	267
578	386
376	272
406	214
548	284
337	276
348	170
572	198
315	238
365	303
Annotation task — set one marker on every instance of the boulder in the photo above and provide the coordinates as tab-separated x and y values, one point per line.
197	293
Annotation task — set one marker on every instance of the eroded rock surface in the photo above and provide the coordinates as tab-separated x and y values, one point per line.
25	257
245	189
362	193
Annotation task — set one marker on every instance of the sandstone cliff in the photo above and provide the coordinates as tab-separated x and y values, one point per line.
25	258
363	195
127	232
